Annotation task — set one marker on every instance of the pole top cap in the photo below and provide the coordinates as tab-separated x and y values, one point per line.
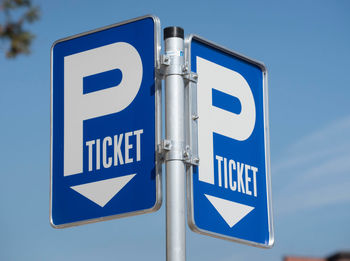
173	31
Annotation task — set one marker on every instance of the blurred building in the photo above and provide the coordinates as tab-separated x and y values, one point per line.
293	258
340	256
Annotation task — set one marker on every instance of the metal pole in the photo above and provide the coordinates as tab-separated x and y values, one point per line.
175	136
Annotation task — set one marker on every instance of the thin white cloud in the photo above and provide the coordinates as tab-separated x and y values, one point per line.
315	171
300	158
335	133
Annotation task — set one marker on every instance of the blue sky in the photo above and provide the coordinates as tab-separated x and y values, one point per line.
306	48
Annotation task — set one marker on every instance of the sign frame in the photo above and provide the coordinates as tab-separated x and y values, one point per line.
191	126
158	125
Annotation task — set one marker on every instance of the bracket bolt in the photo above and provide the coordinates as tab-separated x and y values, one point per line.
166	59
167	144
186	154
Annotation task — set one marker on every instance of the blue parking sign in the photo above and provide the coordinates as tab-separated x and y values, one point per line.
229	191
105	119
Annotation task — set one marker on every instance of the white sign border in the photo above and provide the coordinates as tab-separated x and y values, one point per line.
158	125
192	141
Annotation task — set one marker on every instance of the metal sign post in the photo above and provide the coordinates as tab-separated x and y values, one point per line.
174	144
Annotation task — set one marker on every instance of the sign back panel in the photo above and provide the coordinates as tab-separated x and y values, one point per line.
229	193
105	123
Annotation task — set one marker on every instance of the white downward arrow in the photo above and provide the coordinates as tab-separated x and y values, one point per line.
231	212
101	192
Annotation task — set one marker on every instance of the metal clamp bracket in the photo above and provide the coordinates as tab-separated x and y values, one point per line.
168	150
191	77
188	75
169	67
189	159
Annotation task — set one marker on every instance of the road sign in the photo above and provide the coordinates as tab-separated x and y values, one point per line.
105	123
229	192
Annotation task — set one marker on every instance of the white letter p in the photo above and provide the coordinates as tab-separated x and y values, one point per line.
79	107
238	126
